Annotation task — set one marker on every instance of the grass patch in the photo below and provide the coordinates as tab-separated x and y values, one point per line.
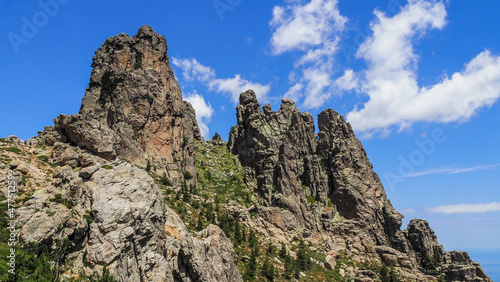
13	150
107	167
310	199
89	218
43	158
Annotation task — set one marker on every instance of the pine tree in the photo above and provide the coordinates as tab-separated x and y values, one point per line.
289	267
268	269
237	232
186	196
106	276
164	180
252	239
199	224
283	252
251	268
303	261
270	249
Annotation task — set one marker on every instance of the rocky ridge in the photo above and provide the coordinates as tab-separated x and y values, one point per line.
101	187
86	194
322	188
133	109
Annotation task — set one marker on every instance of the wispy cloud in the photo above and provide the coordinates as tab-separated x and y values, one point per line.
409	211
192	70
466	208
451	170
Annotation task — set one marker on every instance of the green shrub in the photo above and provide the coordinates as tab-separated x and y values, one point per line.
310	199
164	180
106	276
137	65
43	158
89	218
188	175
14	150
32	264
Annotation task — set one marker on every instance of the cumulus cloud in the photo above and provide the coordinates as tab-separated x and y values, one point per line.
300	26
234	86
312	28
348	81
204	112
390	81
466	208
192	70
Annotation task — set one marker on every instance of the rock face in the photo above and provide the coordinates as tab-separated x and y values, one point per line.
323	186
424	242
88	198
99	203
116	216
217	140
296	170
456	266
133	109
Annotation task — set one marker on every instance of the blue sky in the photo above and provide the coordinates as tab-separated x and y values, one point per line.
418	80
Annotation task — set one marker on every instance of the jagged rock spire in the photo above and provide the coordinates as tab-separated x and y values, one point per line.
133	108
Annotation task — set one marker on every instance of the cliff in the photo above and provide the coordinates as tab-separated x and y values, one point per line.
127	188
323	187
133	109
87	198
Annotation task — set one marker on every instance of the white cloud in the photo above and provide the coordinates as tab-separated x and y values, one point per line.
317	79
204	112
452	170
391	78
316	56
409	211
234	86
312	28
295	92
348	81
466	208
192	70
299	26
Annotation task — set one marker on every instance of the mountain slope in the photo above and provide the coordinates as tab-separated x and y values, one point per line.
127	188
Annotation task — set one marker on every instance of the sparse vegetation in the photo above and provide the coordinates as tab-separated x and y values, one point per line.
188	175
14	150
107	167
43	158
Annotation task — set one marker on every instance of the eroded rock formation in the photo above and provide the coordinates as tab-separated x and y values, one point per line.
321	187
100	206
133	109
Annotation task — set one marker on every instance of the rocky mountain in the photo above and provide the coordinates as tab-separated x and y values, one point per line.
127	189
133	109
86	189
324	188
